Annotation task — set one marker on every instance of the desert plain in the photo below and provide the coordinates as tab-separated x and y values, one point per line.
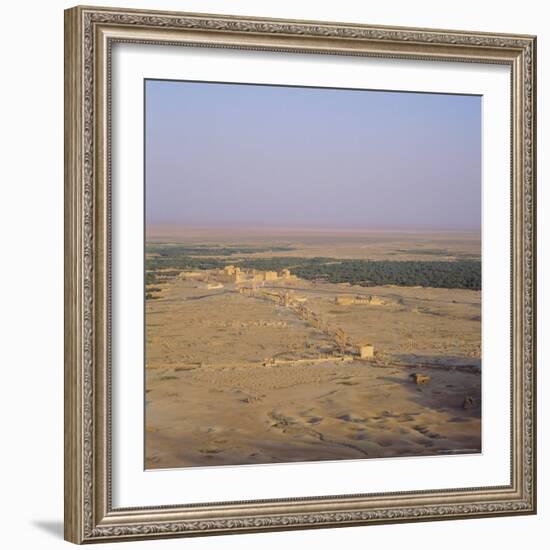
272	346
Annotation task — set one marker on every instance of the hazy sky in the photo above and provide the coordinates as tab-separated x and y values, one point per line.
289	156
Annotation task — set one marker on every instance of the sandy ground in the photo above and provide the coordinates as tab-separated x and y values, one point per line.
333	243
250	415
210	400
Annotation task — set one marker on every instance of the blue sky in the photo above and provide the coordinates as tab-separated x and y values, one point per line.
235	154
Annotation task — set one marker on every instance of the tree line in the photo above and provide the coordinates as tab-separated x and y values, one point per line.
439	274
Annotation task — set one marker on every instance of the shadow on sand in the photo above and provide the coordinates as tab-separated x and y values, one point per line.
446	390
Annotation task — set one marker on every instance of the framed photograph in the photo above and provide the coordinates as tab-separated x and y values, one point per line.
300	274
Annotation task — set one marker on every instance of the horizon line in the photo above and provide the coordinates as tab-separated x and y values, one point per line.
312	227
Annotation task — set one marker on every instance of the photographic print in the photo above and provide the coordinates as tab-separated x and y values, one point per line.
312	274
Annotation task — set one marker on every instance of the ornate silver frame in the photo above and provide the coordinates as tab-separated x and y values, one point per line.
89	35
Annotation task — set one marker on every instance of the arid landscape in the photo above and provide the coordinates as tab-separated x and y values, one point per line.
273	345
312	274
